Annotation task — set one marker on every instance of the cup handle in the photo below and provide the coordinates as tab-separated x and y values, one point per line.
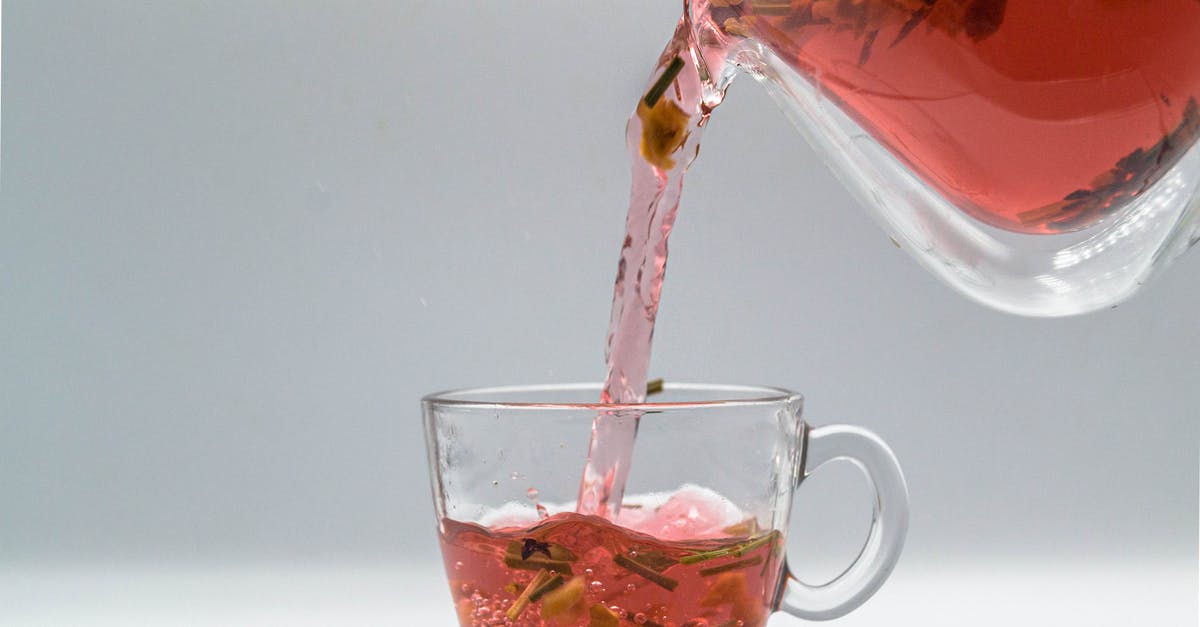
889	523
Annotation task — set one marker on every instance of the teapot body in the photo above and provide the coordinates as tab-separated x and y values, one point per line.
1040	156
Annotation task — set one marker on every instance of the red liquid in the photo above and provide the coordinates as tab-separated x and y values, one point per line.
1036	116
590	559
1031	115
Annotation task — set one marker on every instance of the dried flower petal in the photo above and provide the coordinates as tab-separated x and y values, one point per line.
532	546
738	26
566	603
731	589
664	130
602	617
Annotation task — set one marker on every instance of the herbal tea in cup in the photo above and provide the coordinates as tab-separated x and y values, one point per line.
700	537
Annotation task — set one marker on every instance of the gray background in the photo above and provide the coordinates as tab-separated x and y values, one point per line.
239	240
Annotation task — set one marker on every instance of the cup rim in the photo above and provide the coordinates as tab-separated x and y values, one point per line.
478	397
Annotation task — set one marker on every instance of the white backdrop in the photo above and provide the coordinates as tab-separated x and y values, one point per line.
239	240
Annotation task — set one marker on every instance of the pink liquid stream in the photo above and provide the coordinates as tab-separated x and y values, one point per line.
653	204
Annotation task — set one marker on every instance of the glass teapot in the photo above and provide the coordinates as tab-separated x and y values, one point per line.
1040	156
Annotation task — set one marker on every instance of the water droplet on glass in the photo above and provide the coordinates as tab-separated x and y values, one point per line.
630	588
639	618
533	493
542	513
458	566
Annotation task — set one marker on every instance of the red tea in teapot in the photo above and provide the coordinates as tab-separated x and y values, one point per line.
1031	115
1034	116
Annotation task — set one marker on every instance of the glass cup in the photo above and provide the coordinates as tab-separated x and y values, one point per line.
700	538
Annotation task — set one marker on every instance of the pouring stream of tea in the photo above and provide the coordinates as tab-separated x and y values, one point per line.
664	138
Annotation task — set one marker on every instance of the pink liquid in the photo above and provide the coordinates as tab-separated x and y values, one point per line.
602	575
657	172
654	201
1037	116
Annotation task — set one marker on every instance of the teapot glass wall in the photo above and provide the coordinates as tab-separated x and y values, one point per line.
1040	156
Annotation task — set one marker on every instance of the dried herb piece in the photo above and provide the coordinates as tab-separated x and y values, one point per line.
738	26
756	543
664	81
664	130
522	601
735	565
565	602
656	560
733	591
646	572
868	41
1133	174
537	562
654	386
1044	213
769	7
696	558
984	18
735	551
552	583
865	19
600	616
914	20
